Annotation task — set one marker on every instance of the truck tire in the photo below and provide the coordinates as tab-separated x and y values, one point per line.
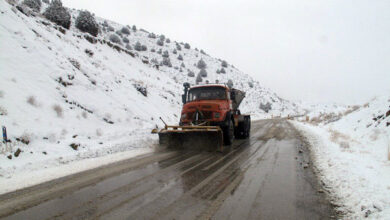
247	130
228	132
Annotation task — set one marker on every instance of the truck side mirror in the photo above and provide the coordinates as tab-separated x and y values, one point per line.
183	98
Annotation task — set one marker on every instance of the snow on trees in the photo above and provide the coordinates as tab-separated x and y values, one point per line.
58	14
201	64
138	46
203	73
86	22
178	47
33	4
224	64
266	107
125	30
165	54
166	62
115	38
160	42
198	78
180	57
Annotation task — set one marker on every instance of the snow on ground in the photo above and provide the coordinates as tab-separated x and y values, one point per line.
53	171
352	157
64	98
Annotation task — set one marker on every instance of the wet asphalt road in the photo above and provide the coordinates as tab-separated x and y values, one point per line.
262	177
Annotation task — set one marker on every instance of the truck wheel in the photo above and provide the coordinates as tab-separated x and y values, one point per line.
247	128
228	133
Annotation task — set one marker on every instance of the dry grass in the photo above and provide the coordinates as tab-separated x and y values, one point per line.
32	101
388	150
99	132
58	110
351	109
3	111
336	136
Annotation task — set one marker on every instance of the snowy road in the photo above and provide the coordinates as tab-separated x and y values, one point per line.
264	177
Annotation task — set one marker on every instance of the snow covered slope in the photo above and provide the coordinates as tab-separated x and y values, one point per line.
66	95
353	157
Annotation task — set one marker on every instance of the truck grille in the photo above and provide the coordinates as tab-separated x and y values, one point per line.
207	115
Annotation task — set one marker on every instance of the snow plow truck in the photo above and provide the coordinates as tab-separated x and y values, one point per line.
210	119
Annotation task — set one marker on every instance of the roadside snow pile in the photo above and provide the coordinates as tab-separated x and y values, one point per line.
81	88
352	157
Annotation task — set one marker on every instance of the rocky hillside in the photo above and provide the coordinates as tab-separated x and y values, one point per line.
74	86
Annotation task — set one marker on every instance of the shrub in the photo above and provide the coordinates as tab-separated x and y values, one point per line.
89	52
224	64
178	47
187	46
165	54
266	107
134	28
118	33
218	71
174	51
115	38
46	1
33	4
125	30
222	71
167	41
160	42
250	84
198	78
162	37
151	35
202	52
191	74
203	73
230	83
138	46
144	48
166	62
154	60
182	65
142	89
128	47
125	40
201	64
159	51
110	29
180	57
58	14
86	22
153	50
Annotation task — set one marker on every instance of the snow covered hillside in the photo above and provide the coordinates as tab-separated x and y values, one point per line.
66	95
351	151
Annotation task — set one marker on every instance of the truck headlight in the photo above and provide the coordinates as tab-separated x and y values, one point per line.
217	115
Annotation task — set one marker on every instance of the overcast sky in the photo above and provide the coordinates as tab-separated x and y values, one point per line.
311	50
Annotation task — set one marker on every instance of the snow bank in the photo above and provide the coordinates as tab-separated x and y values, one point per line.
351	155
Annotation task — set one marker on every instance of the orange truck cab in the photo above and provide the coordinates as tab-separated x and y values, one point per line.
215	105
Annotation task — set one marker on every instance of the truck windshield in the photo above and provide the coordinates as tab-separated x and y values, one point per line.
206	93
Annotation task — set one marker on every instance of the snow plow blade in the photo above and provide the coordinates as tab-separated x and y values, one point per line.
202	138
